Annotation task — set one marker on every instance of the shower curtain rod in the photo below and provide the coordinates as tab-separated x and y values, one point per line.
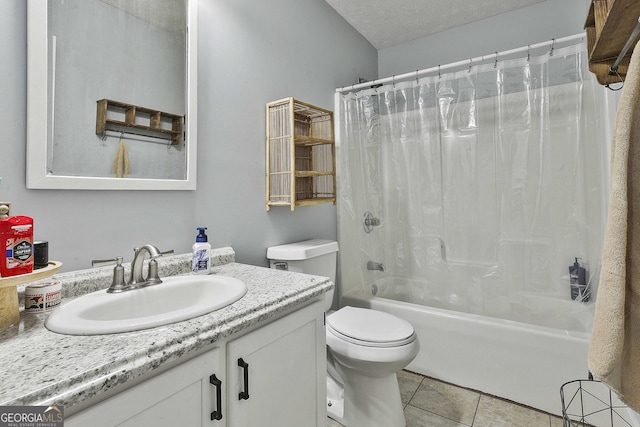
496	55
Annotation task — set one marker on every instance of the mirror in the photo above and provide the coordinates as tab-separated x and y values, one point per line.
134	59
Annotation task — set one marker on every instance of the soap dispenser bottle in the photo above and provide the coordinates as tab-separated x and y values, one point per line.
201	262
578	281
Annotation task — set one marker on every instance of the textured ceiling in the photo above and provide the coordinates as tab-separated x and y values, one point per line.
386	23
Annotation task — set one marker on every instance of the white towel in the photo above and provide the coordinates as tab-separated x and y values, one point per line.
614	353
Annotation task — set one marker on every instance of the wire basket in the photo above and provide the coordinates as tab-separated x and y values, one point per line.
592	403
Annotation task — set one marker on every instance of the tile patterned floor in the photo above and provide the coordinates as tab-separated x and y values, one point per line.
431	403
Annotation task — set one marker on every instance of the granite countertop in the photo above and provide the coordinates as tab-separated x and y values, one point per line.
40	367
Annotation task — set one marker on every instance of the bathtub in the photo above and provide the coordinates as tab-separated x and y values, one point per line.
517	361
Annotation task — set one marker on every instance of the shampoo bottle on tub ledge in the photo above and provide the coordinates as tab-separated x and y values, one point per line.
201	263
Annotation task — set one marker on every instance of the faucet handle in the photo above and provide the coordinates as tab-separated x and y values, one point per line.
118	284
103	262
152	276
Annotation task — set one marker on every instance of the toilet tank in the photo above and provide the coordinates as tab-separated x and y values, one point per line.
315	256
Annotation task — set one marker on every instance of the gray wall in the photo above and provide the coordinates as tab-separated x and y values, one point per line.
534	24
250	53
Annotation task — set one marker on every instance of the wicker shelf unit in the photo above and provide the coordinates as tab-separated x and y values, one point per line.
301	157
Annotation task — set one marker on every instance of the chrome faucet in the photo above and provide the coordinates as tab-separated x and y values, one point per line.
375	266
137	280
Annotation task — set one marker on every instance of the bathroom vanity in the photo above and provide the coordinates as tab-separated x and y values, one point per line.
270	374
259	361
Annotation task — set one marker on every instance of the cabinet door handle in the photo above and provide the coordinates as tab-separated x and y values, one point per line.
244	395
217	414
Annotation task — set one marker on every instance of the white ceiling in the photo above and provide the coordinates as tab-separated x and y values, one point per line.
386	23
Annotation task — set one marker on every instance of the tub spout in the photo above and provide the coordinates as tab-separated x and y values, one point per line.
375	266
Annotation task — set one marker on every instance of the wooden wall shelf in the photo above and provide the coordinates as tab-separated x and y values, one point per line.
138	120
609	24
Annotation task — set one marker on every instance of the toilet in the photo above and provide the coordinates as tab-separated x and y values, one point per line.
365	347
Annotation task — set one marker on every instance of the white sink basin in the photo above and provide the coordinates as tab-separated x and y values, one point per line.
175	299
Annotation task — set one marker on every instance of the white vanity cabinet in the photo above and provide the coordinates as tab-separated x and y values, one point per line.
276	375
280	381
181	396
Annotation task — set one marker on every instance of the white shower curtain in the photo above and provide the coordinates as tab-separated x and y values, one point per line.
488	182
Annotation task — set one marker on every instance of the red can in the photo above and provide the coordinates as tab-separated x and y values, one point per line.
16	237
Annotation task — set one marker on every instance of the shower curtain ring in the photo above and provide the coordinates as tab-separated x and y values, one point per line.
553	42
495	64
469	65
416	76
528	53
439	76
393	81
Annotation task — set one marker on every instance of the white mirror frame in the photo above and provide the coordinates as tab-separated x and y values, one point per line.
38	121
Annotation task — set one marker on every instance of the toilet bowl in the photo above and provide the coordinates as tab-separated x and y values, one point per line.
365	348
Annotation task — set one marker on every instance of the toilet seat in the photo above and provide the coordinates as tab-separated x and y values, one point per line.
370	328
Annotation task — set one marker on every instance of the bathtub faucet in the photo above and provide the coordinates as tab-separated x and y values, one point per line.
375	266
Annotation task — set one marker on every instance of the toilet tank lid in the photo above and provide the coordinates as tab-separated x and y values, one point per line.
302	250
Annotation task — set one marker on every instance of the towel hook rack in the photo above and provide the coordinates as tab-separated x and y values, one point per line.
160	125
608	85
613	70
632	38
